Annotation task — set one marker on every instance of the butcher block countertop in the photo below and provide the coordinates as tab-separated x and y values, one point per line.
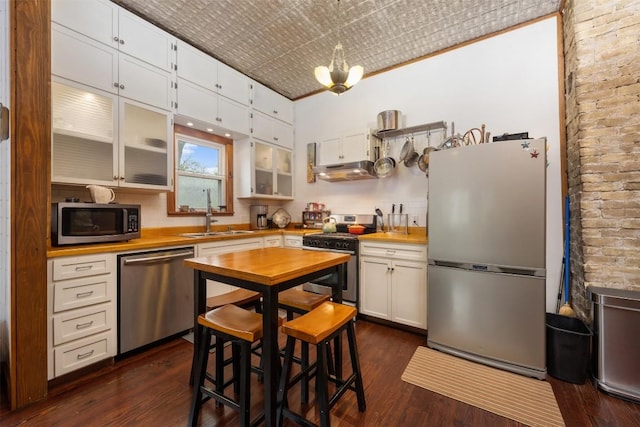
268	266
156	238
417	235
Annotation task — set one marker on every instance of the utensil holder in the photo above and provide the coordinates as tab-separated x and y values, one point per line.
398	223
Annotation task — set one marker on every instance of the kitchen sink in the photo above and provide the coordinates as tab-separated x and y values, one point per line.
216	233
232	232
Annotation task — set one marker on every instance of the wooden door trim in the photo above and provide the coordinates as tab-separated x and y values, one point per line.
30	76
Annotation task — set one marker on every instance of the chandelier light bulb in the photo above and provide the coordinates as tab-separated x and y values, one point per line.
338	77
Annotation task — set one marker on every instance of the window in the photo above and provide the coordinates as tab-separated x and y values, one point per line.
202	162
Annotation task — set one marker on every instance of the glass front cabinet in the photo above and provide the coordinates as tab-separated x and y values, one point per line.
101	138
270	174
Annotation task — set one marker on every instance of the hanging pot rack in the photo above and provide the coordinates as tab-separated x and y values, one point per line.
412	130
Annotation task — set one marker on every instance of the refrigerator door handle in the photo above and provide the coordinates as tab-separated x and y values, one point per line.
536	272
452	264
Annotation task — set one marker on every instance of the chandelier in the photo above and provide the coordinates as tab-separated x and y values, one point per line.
338	77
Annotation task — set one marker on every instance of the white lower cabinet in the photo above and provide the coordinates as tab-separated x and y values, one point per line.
274	241
225	246
292	241
393	282
82	311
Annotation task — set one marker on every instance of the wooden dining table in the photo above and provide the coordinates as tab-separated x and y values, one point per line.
268	271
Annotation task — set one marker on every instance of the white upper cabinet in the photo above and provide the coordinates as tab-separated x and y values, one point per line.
352	147
100	138
97	19
199	68
271	103
140	81
271	130
84	60
145	41
269	173
196	66
233	84
198	103
107	23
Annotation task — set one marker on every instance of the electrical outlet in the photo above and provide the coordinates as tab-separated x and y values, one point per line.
414	219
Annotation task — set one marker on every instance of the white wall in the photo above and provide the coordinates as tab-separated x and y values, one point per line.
509	82
5	192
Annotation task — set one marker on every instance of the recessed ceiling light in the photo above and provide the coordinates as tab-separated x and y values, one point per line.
228	135
209	129
189	124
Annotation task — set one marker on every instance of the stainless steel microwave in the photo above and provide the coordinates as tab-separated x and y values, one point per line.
78	223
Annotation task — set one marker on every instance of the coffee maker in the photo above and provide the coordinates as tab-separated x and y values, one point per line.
258	217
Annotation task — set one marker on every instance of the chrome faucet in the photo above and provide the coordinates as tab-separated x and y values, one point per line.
208	215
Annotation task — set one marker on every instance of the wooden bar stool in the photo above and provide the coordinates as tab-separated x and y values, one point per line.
242	328
242	298
318	327
297	301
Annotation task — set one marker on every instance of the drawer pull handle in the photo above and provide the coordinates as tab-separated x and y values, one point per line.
84	294
84	325
84	268
85	355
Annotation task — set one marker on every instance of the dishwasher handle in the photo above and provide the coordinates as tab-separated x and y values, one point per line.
158	258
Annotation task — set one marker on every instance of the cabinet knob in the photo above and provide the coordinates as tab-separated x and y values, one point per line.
121	41
275	111
115	177
116	39
122	178
275	138
121	86
115	84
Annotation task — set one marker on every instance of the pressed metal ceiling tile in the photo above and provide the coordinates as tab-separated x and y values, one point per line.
280	42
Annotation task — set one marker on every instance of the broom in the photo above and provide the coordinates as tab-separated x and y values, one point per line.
566	309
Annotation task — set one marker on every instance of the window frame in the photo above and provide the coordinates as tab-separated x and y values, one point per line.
228	184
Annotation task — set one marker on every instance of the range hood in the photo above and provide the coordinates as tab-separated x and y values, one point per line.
346	171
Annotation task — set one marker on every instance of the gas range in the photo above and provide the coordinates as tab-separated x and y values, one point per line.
344	242
341	240
331	241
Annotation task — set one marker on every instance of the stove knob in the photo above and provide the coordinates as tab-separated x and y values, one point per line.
327	244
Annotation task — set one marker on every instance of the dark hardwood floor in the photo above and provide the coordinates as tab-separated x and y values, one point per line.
151	389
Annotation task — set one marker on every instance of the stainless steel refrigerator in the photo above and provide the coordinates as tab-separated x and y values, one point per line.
486	273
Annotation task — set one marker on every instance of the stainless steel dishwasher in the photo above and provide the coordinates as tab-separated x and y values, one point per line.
155	297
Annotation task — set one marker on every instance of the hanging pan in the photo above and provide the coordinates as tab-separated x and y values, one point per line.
384	166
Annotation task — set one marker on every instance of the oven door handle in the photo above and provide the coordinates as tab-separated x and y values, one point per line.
338	251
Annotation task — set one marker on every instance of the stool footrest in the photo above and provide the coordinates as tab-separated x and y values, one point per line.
343	385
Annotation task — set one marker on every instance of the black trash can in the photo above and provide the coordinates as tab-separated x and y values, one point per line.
568	348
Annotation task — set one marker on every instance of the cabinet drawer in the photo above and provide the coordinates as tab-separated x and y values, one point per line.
293	241
74	267
394	251
81	292
81	323
84	352
273	242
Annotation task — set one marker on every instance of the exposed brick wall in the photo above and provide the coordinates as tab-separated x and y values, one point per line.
602	72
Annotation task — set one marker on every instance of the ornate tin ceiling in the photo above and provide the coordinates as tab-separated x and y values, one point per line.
280	42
